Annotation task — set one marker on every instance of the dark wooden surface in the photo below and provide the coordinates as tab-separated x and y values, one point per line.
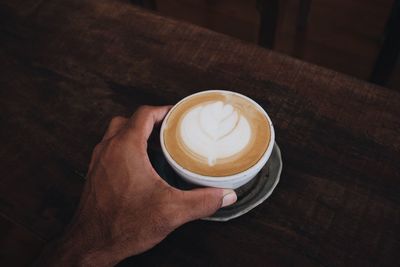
386	61
68	66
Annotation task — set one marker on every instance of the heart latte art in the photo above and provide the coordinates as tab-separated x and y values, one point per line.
216	134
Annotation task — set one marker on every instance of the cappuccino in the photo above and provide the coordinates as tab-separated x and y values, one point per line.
216	133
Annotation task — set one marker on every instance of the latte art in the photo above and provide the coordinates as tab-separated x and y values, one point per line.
215	131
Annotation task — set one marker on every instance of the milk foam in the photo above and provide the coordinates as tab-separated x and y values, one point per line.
215	130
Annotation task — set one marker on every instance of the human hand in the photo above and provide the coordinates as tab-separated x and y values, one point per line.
125	207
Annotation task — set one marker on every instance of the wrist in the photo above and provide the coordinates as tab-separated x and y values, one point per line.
74	250
82	250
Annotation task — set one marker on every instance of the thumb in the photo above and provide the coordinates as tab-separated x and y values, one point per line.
203	202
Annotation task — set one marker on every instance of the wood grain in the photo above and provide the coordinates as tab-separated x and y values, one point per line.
19	246
69	66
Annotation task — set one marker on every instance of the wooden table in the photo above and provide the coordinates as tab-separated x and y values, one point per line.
68	66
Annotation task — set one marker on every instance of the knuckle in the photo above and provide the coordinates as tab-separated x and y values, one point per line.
116	119
208	204
143	109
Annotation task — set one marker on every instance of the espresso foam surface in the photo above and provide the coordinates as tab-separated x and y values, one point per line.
216	134
215	131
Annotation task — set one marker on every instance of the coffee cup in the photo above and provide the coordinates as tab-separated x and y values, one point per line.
217	138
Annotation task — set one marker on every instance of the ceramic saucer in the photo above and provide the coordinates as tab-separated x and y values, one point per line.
249	195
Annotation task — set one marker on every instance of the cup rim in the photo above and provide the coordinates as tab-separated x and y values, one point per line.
232	177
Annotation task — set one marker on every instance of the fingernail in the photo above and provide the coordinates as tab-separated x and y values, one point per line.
229	197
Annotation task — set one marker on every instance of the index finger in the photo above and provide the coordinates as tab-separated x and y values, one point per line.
143	120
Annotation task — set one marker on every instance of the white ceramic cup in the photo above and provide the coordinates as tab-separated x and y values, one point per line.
231	181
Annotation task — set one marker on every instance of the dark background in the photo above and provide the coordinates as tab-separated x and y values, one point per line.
342	35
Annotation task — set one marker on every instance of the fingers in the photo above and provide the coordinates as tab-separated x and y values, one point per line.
203	202
144	119
116	124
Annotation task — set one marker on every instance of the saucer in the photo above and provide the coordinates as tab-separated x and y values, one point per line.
249	195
